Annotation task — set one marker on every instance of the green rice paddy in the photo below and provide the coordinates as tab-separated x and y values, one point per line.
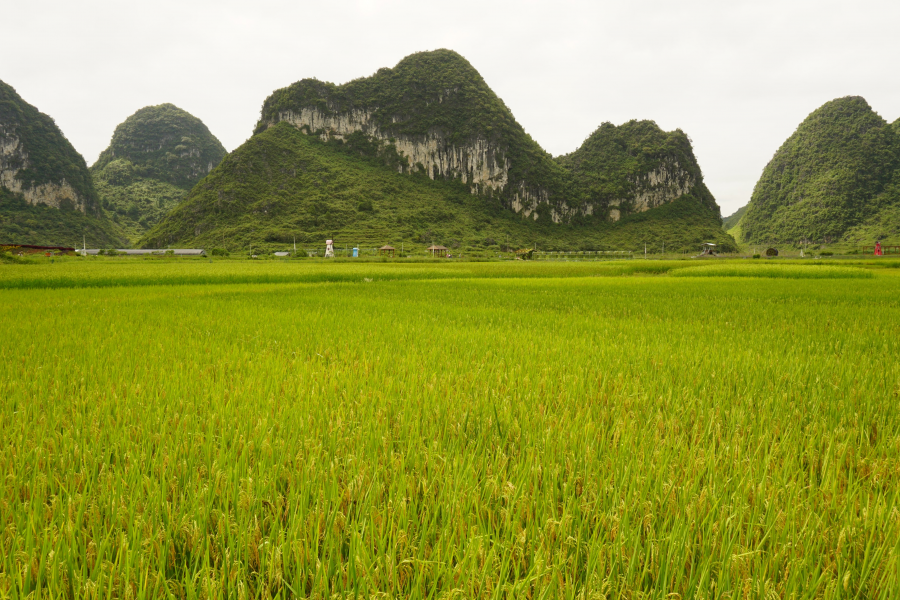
195	429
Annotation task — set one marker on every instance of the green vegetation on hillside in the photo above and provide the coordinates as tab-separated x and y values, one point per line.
42	225
135	203
528	431
283	185
734	218
165	143
40	154
348	185
156	155
612	164
428	92
49	157
832	174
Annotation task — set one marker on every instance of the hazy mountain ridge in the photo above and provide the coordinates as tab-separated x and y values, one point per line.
734	218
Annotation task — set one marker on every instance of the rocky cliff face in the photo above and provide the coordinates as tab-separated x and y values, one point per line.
14	160
47	196
478	163
436	115
657	187
633	168
37	161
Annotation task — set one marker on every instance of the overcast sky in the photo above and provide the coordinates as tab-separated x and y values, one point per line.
736	76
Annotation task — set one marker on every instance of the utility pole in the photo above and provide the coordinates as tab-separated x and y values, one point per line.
295	244
645	250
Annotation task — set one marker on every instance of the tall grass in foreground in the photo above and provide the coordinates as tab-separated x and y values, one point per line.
578	438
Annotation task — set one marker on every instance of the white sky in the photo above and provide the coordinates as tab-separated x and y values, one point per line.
736	76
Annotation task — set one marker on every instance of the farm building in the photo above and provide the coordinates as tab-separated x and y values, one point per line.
28	249
144	251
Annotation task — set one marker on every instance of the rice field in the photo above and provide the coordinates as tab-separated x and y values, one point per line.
637	429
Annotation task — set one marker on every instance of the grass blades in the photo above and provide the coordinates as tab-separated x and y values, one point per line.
776	271
486	436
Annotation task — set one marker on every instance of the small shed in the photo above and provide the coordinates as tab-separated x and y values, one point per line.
708	249
281	254
387	251
438	251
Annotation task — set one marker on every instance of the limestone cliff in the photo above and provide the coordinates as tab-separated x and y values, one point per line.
434	114
633	168
37	161
46	193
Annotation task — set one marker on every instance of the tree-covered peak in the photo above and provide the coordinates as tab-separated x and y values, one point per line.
163	142
611	163
840	121
825	176
437	90
643	139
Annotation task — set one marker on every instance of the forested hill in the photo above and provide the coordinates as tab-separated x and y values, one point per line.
432	113
634	167
156	155
283	185
835	173
433	116
47	196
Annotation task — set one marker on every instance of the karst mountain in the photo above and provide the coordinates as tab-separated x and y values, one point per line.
153	160
47	196
835	179
427	152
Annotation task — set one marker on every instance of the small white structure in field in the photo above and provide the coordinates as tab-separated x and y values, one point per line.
280	254
329	248
708	249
